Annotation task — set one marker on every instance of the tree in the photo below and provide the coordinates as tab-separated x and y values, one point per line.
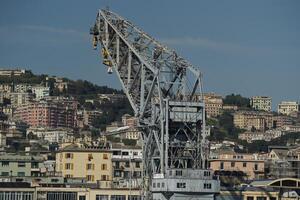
237	100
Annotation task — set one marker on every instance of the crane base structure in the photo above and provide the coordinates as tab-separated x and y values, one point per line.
165	93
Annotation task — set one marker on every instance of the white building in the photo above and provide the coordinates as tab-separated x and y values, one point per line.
261	103
58	135
20	98
40	92
288	107
22	87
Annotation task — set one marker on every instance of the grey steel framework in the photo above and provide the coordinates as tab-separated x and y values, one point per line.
165	92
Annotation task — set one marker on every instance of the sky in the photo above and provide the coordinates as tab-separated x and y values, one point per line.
243	47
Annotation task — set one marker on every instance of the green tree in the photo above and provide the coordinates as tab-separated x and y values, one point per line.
237	100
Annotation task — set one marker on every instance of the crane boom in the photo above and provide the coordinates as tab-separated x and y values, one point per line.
165	92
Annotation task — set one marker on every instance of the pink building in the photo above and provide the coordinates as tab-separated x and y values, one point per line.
48	114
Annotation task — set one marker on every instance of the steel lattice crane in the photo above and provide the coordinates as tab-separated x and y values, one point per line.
165	92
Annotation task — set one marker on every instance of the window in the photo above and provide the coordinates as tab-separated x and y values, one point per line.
90	166
81	197
158	185
105	156
261	198
117	174
90	178
154	185
34	165
90	156
69	176
232	164
5	163
101	197
69	166
118	197
181	185
178	173
255	166
126	174
21	164
137	174
134	197
250	198
222	165
104	177
137	164
207	186
206	173
69	155
162	185
117	164
5	174
21	173
127	164
104	167
244	164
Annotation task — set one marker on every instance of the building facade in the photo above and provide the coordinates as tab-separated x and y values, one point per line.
20	166
288	107
213	104
249	164
92	164
261	103
20	98
47	114
253	119
40	92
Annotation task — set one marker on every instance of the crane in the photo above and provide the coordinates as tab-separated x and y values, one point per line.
165	93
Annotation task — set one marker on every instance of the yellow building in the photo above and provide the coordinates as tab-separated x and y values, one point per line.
213	104
249	119
93	164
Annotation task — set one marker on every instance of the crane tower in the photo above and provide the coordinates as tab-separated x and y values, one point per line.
165	92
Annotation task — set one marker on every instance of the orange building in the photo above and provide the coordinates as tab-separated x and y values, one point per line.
250	164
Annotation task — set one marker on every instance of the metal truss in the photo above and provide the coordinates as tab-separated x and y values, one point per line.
165	92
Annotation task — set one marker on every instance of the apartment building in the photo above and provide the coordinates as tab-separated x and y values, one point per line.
47	114
7	88
23	87
269	135
13	72
261	103
213	104
63	85
40	92
282	120
288	107
253	119
131	133
93	164
249	164
283	161
20	98
129	120
51	135
13	165
90	115
127	165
